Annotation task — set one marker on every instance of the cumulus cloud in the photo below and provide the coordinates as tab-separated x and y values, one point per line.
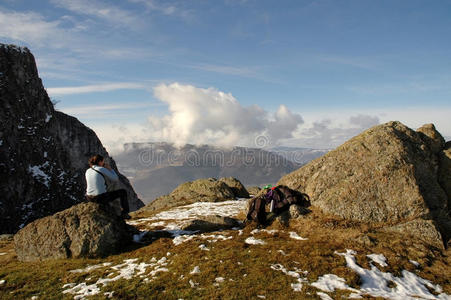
209	116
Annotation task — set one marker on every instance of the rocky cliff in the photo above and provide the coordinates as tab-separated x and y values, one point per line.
389	175
43	152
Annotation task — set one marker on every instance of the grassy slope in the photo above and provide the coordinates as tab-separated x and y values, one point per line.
232	259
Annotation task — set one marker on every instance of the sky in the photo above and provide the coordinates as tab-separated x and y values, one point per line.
304	73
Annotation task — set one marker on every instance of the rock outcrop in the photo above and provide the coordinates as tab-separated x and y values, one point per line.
43	152
201	190
210	223
84	230
389	174
237	187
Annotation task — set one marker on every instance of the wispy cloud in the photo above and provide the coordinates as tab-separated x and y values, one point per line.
105	87
31	28
96	110
101	10
167	8
357	62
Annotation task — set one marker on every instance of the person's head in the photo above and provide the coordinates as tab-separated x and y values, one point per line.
96	160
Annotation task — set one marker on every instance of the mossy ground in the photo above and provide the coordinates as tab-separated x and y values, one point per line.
245	268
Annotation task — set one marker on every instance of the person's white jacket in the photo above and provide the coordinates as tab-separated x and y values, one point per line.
95	183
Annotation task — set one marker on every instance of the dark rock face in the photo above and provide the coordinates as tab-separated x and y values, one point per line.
43	152
84	230
388	174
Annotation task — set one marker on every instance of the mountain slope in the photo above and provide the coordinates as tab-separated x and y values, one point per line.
43	152
155	169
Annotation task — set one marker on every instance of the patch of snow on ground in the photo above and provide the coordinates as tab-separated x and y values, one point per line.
203	247
127	270
211	238
375	283
219	279
297	287
91	268
196	270
324	296
415	263
2	282
192	211
253	241
272	231
193	284
2	253
378	258
330	282
295	236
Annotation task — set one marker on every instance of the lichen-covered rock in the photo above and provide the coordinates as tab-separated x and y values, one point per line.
425	230
43	152
387	174
84	230
210	223
236	186
253	190
433	138
201	190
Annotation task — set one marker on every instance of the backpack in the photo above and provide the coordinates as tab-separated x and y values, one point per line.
257	210
283	197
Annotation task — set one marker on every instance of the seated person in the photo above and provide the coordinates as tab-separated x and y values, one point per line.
96	190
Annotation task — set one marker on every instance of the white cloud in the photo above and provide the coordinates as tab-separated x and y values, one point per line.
100	10
58	91
167	8
31	28
106	110
209	116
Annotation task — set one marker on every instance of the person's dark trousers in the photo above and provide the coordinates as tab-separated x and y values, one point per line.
110	196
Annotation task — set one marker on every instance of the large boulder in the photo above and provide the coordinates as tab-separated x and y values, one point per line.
201	190
388	174
84	230
237	187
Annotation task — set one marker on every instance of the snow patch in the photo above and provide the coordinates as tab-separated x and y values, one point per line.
127	270
415	263
378	258
376	283
2	253
253	241
272	231
295	236
47	118
196	270
203	247
330	282
297	287
324	296
38	174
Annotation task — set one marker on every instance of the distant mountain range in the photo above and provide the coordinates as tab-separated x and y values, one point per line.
155	169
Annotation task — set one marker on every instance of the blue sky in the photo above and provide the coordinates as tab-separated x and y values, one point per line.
316	72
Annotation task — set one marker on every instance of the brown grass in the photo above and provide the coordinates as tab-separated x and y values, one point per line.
246	268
